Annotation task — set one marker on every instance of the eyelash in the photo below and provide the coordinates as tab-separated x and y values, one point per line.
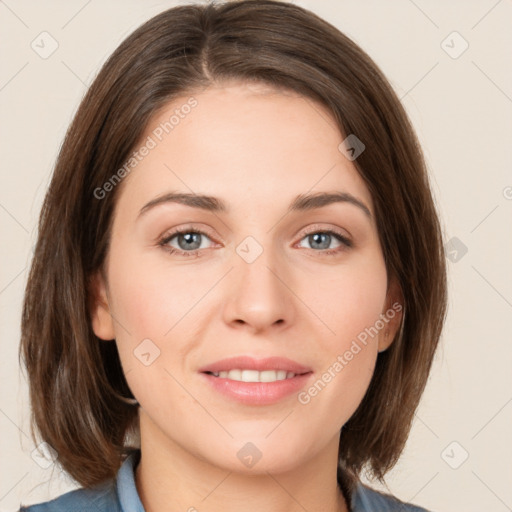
196	253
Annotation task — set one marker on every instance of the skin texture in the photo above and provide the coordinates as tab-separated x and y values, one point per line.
255	148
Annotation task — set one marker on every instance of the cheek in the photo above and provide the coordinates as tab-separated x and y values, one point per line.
350	301
149	299
349	306
157	313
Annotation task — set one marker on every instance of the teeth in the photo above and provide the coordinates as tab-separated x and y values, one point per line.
255	375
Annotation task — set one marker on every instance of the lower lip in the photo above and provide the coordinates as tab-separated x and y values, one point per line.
258	393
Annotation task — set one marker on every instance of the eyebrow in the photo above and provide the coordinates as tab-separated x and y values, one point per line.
213	204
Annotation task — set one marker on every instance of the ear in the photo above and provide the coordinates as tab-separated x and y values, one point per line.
102	322
394	313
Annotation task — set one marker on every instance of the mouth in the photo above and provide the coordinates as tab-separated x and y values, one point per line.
256	381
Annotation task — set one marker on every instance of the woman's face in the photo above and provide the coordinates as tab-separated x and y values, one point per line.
261	269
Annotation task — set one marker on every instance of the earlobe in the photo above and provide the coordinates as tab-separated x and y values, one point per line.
395	315
102	323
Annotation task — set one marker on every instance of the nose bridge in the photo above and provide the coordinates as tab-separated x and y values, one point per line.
257	293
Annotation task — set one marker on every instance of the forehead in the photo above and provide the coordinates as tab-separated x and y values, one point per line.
229	140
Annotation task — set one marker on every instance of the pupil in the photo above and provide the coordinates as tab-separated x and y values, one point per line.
317	239
189	238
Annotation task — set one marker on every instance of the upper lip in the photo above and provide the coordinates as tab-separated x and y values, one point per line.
250	363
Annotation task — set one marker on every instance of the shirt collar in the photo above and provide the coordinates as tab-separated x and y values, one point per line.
126	490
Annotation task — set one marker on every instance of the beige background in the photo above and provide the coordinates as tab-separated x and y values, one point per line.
462	110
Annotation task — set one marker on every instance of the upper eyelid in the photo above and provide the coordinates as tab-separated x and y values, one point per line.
203	231
188	229
317	227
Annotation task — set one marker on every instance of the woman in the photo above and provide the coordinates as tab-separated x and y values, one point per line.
242	270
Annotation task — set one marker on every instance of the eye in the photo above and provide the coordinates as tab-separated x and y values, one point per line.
189	242
322	241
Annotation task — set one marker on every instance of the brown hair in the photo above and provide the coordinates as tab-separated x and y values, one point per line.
76	380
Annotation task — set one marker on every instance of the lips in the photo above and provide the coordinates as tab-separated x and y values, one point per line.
250	363
257	393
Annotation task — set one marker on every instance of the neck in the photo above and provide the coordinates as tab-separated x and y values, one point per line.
171	478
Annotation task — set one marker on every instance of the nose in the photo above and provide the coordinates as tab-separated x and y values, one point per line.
258	294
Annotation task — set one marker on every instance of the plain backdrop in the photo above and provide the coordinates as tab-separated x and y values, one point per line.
450	63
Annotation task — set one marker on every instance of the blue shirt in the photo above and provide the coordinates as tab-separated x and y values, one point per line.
120	495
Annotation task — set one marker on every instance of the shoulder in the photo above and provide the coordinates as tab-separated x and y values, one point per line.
104	497
101	498
366	499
